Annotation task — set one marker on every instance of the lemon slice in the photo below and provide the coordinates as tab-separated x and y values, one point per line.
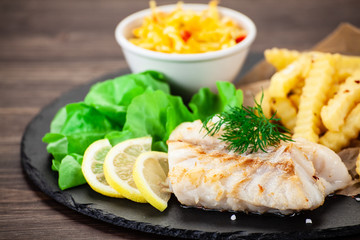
92	168
150	174
118	166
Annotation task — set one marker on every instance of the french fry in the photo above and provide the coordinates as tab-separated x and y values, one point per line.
346	65
283	81
319	91
334	113
295	93
334	90
314	93
295	100
286	111
336	140
265	103
280	58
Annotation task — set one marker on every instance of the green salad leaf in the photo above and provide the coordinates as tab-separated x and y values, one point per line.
156	114
130	106
70	173
112	98
206	103
73	129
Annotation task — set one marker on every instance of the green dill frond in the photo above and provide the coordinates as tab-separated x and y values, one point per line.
247	128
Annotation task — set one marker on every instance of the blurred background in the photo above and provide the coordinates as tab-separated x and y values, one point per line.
59	43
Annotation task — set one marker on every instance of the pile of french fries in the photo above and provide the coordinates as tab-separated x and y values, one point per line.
316	95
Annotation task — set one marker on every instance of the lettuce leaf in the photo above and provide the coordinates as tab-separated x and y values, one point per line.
156	114
112	98
70	174
103	111
130	106
74	128
206	103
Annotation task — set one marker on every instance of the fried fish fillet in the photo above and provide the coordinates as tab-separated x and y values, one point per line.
291	177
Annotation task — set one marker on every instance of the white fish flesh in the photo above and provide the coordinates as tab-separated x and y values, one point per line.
291	177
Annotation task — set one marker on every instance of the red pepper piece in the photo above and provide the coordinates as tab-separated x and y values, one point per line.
185	35
240	38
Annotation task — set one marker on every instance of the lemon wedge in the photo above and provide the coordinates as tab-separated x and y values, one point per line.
118	166
150	174
92	168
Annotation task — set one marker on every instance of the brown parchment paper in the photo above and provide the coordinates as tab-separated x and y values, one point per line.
345	39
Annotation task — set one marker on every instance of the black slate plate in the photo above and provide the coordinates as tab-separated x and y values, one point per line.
339	216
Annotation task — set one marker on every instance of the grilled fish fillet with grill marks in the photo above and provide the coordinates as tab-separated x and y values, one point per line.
291	177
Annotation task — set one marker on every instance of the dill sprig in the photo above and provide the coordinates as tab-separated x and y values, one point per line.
247	128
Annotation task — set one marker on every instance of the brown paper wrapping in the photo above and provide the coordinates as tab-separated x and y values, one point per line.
345	40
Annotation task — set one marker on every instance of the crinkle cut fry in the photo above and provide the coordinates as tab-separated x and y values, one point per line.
295	100
265	103
285	80
347	65
334	113
336	140
315	91
286	111
281	57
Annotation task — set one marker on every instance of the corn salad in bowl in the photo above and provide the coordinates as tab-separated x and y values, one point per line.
187	31
193	45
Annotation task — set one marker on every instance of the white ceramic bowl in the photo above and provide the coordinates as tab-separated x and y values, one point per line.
187	71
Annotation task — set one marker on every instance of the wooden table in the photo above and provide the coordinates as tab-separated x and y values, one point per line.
48	47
